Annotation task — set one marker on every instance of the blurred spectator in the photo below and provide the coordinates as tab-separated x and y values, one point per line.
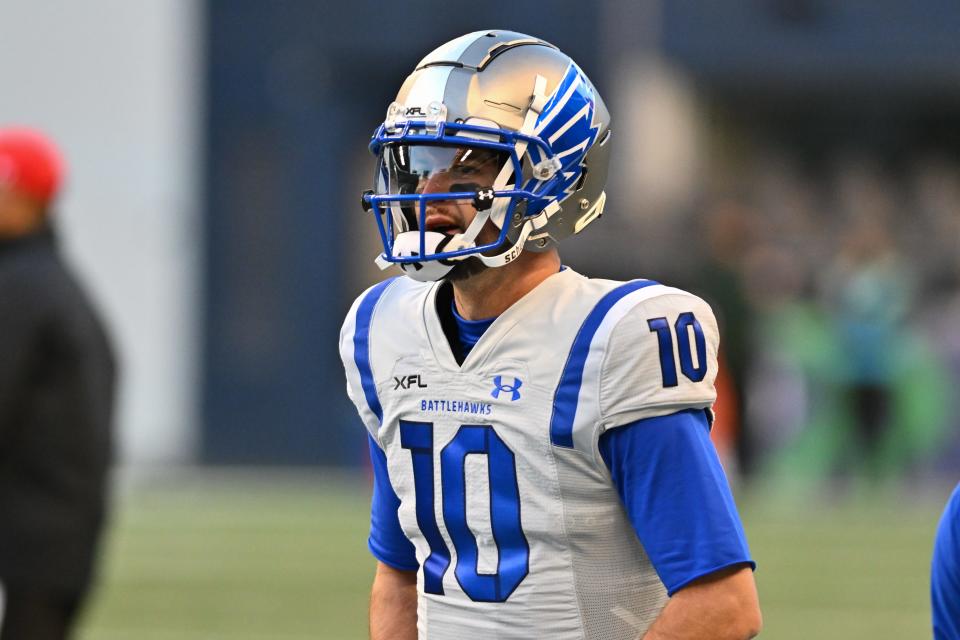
728	235
837	282
787	366
867	293
56	398
932	233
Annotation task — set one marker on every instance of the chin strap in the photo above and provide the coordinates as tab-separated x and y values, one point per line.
536	223
468	238
510	254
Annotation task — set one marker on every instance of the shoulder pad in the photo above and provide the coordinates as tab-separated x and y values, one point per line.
644	350
661	358
355	354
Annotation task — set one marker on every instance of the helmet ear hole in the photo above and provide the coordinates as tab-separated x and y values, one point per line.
583	178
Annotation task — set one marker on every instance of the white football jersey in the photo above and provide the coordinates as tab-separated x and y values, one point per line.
518	529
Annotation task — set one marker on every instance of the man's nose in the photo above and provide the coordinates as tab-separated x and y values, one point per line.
436	183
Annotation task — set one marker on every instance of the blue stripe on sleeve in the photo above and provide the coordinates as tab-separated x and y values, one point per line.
945	573
568	391
676	495
361	346
387	541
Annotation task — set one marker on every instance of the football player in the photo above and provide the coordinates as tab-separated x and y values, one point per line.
539	439
945	573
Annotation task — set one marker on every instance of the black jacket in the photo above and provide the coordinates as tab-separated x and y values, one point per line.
57	378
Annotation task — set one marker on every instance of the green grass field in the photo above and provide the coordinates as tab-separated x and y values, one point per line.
266	556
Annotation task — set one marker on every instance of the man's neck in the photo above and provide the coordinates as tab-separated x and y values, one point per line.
491	292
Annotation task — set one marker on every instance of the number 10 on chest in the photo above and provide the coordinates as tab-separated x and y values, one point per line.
512	547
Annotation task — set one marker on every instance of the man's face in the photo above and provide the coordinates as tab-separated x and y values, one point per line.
19	214
450	169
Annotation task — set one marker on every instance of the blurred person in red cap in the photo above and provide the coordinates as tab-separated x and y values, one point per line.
57	377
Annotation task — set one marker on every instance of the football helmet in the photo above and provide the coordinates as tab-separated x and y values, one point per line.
497	121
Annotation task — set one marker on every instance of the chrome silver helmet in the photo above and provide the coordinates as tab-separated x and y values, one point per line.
496	120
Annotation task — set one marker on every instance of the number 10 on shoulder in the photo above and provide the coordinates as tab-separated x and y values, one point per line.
686	324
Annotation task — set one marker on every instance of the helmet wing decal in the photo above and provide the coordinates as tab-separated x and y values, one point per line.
555	105
567	123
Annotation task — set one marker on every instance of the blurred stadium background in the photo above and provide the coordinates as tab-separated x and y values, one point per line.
795	162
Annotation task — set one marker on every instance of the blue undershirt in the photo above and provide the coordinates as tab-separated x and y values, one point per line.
665	470
676	495
387	542
469	331
945	573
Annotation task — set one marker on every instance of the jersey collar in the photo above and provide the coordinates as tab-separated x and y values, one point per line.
534	301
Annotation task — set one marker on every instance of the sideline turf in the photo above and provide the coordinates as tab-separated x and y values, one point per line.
262	555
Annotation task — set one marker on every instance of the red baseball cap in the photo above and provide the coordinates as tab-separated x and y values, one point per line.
30	163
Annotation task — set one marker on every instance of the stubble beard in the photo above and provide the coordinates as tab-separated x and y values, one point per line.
466	269
472	266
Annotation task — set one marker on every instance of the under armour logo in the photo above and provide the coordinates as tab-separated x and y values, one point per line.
483	199
509	388
405	266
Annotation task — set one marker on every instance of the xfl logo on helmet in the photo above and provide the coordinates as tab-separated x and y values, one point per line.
513	389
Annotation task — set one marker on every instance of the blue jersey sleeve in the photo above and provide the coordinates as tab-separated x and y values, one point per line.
676	495
945	573
387	542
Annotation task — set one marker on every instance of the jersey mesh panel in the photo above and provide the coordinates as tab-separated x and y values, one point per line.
619	592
